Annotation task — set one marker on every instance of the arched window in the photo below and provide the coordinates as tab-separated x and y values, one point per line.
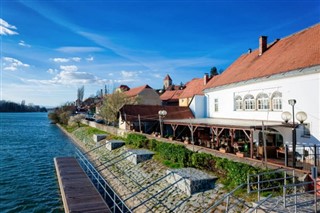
238	103
249	102
263	101
277	101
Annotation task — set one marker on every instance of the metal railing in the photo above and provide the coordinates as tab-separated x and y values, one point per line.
109	195
308	154
301	189
259	204
261	182
226	198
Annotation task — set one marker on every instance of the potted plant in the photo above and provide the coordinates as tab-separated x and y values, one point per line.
186	140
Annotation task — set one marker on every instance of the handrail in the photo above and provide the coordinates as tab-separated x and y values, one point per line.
296	194
260	203
224	197
271	171
93	149
97	177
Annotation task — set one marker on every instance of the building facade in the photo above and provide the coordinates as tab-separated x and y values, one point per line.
259	84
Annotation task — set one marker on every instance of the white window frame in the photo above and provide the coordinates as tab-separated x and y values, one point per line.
263	102
276	101
238	103
249	103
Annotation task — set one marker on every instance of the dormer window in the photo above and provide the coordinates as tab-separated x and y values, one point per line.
249	102
263	101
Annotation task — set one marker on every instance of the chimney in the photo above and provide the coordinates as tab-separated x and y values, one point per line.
205	78
262	44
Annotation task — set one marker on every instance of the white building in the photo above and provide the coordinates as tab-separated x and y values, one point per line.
252	93
258	85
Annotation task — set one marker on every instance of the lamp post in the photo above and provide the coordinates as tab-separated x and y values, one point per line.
301	116
292	102
162	114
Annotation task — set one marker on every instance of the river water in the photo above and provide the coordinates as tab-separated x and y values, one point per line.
28	144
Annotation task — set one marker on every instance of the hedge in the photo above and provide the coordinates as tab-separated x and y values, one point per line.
175	155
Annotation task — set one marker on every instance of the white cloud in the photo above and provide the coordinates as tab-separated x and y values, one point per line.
6	28
90	58
69	68
65	60
128	74
52	71
24	44
61	60
68	77
76	59
158	76
79	49
12	64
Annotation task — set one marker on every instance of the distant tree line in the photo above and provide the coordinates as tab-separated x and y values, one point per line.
8	106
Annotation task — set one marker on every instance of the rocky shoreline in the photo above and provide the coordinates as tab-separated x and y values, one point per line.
127	179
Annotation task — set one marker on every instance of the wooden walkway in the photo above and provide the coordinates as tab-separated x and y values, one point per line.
77	191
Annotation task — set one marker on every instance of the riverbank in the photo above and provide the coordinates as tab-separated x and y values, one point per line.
127	179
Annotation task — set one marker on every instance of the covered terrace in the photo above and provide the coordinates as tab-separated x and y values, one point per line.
229	135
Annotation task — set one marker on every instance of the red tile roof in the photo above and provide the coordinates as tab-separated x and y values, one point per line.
171	95
193	87
135	91
297	51
150	112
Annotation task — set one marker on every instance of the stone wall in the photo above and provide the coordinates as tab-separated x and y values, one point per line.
109	129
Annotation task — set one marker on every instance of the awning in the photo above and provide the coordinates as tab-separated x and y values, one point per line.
224	123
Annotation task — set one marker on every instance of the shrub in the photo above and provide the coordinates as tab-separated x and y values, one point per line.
137	140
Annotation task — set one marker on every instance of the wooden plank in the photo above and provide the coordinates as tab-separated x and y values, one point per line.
77	191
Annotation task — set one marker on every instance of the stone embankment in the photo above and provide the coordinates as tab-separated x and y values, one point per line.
144	186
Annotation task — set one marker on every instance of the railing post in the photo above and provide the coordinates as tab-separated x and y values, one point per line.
114	202
258	187
227	204
248	183
284	196
286	155
315	155
315	193
295	198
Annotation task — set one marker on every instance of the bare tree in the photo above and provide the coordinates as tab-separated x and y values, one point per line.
80	93
76	119
112	104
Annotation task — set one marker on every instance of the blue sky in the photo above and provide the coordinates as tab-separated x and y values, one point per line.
50	48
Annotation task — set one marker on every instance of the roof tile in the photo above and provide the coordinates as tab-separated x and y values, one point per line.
297	51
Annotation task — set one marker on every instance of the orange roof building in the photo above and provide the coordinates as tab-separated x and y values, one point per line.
145	95
260	83
297	51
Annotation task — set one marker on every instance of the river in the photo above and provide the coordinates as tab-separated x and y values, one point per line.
28	144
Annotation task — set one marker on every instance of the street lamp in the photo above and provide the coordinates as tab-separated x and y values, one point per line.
301	117
162	114
292	102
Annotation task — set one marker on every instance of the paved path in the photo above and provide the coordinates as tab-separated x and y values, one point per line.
78	193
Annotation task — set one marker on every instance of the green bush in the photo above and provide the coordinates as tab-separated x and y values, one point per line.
174	153
203	161
137	140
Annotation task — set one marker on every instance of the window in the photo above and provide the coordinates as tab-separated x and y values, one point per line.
238	103
263	101
249	102
216	105
277	101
